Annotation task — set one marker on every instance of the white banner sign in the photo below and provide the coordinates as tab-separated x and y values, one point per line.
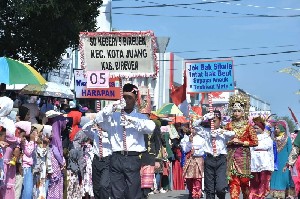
125	54
97	79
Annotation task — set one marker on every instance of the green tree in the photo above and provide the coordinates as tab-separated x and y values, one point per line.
39	31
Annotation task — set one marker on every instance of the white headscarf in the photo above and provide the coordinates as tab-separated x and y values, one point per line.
6	106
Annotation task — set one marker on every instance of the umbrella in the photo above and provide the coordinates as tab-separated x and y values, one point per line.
180	119
16	72
169	109
49	89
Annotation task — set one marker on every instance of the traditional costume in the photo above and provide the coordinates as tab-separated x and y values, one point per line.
239	157
281	181
262	162
294	161
193	167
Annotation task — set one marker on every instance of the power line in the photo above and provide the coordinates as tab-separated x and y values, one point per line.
232	49
258	6
244	64
250	55
183	5
204	2
168	5
195	16
269	62
240	56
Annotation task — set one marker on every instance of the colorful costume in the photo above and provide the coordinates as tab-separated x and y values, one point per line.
193	167
294	160
239	157
281	181
262	162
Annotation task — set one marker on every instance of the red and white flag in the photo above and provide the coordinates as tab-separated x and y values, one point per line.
178	96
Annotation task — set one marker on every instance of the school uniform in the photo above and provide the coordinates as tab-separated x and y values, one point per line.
215	179
101	161
125	163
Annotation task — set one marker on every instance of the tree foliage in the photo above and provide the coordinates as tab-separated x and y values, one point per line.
39	31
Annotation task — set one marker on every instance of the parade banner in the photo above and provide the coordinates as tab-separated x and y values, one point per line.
209	76
111	93
124	54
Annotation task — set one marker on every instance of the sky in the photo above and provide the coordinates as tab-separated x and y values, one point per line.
249	31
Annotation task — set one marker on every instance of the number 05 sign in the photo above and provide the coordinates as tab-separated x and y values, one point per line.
97	79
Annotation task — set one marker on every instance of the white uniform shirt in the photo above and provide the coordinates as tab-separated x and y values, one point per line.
221	136
262	157
198	145
135	129
93	134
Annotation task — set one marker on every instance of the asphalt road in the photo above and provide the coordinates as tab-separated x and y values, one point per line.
176	194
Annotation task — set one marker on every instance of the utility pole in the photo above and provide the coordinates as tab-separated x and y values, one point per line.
162	43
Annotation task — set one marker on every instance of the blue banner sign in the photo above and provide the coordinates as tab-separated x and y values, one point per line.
209	76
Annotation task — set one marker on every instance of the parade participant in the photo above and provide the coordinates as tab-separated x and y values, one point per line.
262	161
177	162
270	127
101	152
55	190
294	162
239	157
295	169
125	161
193	146
215	181
281	180
153	145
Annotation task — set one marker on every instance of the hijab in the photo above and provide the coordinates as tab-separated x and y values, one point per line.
6	106
58	125
76	115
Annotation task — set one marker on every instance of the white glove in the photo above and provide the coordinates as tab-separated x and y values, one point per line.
208	116
119	105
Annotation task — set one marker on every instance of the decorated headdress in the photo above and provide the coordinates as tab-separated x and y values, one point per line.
260	122
130	88
239	102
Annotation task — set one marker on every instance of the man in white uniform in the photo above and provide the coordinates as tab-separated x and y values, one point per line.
126	131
